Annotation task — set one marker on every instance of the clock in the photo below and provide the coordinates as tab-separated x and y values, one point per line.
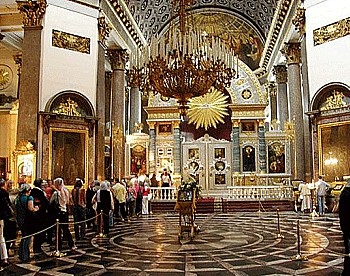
6	76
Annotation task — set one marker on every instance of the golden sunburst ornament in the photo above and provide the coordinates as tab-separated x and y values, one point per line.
208	110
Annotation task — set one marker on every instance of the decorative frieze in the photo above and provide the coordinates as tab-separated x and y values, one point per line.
280	72
332	31
103	30
118	58
70	42
32	12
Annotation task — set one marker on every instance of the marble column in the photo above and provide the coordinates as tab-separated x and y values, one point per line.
177	148
262	147
33	13
280	72
152	147
296	113
272	90
299	23
118	58
100	101
134	81
236	159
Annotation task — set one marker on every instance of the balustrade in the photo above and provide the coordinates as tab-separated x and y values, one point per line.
235	192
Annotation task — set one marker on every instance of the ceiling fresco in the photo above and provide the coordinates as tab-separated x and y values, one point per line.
153	16
236	34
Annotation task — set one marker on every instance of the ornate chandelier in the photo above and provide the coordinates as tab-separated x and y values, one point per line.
186	63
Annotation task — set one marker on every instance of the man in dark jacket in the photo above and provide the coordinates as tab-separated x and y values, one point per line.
344	217
40	219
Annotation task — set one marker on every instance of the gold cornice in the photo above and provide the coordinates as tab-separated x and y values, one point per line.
118	58
331	31
162	112
126	22
299	20
280	16
103	30
280	71
292	53
247	111
32	12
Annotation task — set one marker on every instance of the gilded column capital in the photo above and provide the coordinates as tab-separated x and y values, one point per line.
292	52
32	12
134	77
18	61
272	89
151	125
261	123
299	20
118	58
103	30
108	75
235	123
176	124
280	72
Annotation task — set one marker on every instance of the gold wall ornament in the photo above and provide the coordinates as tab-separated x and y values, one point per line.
332	31
334	101
68	108
32	12
299	20
208	110
103	30
289	129
70	42
118	58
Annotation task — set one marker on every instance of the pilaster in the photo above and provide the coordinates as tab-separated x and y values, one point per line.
100	101
33	13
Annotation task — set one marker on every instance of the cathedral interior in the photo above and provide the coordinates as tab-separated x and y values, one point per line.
248	97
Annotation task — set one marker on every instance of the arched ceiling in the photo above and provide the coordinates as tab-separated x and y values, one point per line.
153	16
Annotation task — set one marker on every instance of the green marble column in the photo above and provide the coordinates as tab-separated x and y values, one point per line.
262	147
236	159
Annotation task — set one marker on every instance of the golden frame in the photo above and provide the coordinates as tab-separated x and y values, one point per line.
165	128
24	153
85	154
321	159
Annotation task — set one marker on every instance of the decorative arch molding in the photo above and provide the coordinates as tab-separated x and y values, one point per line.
83	105
70	108
326	91
246	88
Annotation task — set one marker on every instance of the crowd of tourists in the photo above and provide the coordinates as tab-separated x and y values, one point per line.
35	210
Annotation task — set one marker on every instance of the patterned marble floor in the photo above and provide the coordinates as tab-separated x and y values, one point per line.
228	244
